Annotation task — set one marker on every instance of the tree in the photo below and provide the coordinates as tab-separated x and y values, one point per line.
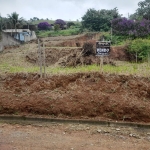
61	23
44	26
4	23
127	27
144	9
1	23
36	18
122	26
99	20
15	20
140	48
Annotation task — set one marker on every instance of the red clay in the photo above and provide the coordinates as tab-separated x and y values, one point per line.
82	95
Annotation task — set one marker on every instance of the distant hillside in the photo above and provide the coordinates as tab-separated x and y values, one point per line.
49	21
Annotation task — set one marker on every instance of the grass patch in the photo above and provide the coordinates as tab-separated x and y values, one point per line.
124	68
67	32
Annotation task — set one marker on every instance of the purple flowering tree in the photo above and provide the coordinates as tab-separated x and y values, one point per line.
126	27
61	23
44	26
122	26
142	28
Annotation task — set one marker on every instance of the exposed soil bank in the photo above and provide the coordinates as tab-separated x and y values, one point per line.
81	95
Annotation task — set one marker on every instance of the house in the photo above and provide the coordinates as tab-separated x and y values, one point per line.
23	35
16	37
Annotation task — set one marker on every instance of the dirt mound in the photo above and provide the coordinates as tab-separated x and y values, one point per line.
74	57
68	51
119	53
86	95
67	57
70	41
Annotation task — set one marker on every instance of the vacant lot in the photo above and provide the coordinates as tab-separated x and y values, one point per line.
121	93
81	95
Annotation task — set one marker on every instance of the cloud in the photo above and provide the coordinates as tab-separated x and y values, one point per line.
64	9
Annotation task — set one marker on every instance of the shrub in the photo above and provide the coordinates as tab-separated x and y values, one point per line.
140	48
69	24
56	27
44	26
88	49
61	23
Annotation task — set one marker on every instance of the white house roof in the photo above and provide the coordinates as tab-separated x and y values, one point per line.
16	30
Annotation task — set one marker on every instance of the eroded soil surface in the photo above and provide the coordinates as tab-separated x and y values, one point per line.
81	96
54	136
69	51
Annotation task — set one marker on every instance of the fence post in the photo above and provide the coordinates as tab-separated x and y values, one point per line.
40	57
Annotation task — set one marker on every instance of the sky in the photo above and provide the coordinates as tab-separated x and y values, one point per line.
69	10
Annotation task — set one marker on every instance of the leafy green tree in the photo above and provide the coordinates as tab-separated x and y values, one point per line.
4	23
1	23
35	18
15	20
144	9
99	20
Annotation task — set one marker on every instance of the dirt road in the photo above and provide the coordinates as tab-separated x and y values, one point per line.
54	136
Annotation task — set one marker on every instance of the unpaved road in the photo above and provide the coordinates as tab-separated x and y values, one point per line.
54	136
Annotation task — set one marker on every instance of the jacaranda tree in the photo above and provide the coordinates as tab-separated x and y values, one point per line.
61	23
44	26
126	27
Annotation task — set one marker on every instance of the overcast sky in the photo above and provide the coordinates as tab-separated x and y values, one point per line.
63	9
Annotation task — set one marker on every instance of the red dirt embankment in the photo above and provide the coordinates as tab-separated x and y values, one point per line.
81	95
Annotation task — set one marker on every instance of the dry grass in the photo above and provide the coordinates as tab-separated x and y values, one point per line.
13	61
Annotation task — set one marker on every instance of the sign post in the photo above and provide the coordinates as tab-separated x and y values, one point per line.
102	49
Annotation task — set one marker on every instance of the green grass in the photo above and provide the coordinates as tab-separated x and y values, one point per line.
66	32
124	68
5	67
44	20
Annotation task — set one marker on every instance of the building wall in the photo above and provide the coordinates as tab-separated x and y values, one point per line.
33	35
1	46
7	41
26	36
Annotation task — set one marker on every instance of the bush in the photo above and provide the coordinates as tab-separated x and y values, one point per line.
69	24
134	29
61	23
44	26
140	47
56	27
88	49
